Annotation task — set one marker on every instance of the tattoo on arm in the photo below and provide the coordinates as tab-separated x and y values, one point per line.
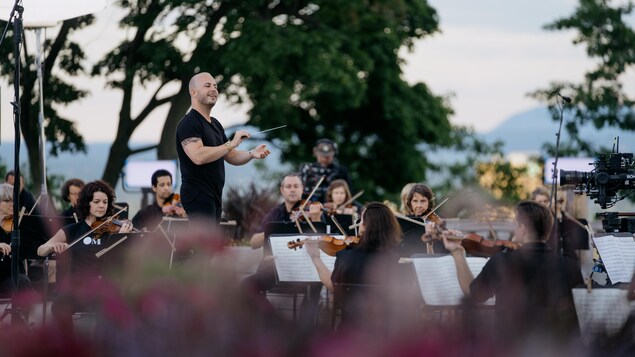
188	141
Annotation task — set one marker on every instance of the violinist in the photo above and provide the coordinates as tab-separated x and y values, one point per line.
81	266
6	217
532	284
337	194
70	194
420	203
94	205
165	203
264	279
373	261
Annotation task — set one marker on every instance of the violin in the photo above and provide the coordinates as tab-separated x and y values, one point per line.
102	226
328	244
478	246
7	224
170	204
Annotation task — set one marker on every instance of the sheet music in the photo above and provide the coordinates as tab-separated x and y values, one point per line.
438	281
296	265
602	311
618	256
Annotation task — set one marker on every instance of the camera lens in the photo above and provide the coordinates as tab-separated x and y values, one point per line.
574	177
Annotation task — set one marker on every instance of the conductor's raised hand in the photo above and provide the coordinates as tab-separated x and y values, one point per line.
239	136
260	152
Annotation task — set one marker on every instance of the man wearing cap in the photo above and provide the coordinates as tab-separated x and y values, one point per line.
325	151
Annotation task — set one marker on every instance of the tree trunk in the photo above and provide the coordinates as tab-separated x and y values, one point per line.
119	152
178	106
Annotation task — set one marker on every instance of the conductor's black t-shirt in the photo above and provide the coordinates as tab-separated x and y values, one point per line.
207	179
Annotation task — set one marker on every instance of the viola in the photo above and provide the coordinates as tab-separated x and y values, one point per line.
478	246
328	244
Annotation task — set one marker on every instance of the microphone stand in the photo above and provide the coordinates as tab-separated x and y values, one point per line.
553	203
16	18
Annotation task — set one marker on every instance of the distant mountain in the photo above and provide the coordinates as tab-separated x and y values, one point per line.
529	130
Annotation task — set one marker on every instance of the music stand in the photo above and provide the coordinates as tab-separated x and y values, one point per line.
37	230
345	220
411	242
311	291
115	248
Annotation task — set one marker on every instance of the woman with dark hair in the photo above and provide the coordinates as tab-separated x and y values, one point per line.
79	268
420	202
373	261
94	203
70	194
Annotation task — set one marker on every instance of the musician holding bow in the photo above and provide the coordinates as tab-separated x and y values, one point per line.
532	284
165	202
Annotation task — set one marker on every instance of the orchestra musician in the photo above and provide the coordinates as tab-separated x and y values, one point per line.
93	206
337	194
403	206
420	203
70	193
264	279
165	203
6	217
373	261
532	284
27	200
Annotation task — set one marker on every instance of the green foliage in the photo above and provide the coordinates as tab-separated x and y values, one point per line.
600	98
62	61
325	69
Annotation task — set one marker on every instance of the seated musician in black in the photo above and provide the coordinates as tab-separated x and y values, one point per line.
6	217
532	284
374	261
94	205
70	194
164	204
265	277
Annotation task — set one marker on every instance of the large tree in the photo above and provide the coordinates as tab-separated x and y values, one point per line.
325	69
600	97
63	60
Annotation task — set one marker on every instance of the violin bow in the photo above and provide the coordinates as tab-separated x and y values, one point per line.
435	208
406	218
106	250
96	228
312	192
491	228
343	205
338	225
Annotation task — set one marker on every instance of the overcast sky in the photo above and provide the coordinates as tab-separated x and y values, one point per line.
489	55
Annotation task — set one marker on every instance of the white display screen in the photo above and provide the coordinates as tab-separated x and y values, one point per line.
138	174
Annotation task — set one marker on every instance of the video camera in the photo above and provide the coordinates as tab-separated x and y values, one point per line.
612	173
